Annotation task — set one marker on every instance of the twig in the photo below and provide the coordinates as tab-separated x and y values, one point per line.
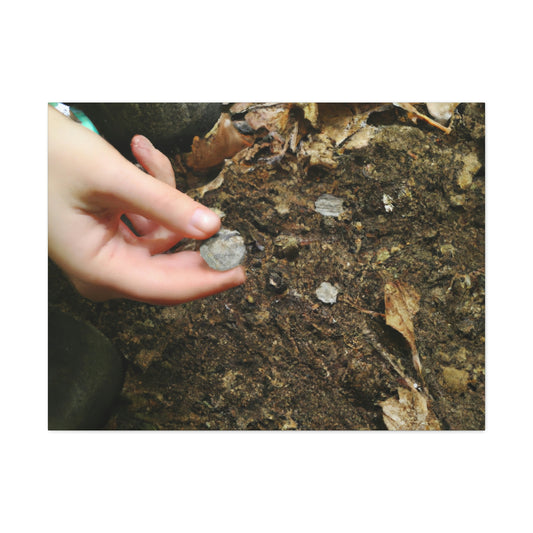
389	358
412	110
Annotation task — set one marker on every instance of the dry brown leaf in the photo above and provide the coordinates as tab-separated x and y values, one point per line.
341	121
284	120
240	107
274	118
199	193
408	412
319	151
312	131
360	138
211	151
336	120
401	305
311	113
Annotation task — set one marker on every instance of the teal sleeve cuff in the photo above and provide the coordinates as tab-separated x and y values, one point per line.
75	114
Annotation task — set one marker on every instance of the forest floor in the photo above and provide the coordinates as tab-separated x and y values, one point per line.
403	345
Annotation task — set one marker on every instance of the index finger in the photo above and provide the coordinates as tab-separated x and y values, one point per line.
171	208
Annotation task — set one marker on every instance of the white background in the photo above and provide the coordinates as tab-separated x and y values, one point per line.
266	51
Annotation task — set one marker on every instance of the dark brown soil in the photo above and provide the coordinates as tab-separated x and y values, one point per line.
269	354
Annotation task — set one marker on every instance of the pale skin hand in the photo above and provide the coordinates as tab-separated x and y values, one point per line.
90	186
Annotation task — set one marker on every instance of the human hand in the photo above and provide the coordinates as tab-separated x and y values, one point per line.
90	186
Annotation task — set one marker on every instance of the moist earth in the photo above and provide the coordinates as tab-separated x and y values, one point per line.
270	354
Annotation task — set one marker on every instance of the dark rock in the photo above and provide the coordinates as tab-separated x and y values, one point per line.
85	374
167	125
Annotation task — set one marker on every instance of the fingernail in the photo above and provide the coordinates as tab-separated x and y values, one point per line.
205	220
142	142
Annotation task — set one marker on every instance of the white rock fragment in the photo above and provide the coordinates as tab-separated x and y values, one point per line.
224	251
329	205
441	111
471	165
387	203
327	293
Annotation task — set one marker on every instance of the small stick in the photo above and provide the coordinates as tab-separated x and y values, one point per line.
412	109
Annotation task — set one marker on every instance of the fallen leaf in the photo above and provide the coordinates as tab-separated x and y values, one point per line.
401	304
211	151
318	149
360	138
199	193
336	120
240	107
408	412
311	113
272	117
341	121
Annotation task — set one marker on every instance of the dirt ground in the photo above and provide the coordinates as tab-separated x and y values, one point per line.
269	354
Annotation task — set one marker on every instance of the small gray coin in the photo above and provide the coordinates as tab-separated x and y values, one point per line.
224	251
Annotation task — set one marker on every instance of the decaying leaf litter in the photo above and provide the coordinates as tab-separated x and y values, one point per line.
402	346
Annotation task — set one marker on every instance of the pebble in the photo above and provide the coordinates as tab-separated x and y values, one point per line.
441	111
224	251
471	165
286	246
387	203
329	205
327	293
455	380
382	255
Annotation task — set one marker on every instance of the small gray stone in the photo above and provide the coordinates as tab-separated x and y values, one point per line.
329	205
224	251
327	293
